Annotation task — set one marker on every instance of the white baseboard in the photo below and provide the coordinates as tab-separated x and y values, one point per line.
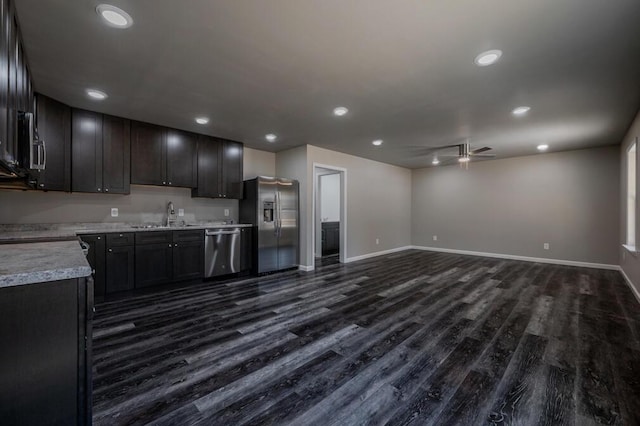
306	268
377	253
523	258
635	291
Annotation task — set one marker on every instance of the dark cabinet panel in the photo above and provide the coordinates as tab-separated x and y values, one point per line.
116	138
188	260
219	168
53	121
181	158
120	239
162	156
96	258
4	78
153	237
330	238
86	151
119	269
45	358
246	248
231	170
154	264
208	168
147	154
100	153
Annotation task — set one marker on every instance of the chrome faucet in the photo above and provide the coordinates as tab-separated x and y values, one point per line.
171	214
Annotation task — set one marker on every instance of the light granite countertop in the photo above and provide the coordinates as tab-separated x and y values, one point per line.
31	263
70	231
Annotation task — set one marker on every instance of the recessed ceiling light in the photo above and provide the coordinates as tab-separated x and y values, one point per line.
521	110
340	111
489	57
114	16
464	159
96	94
271	137
377	142
435	162
202	120
543	147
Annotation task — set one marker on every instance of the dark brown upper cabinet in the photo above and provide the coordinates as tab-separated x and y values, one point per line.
100	153
15	82
162	156
53	121
219	168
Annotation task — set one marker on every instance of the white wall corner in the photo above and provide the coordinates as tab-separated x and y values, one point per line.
305	268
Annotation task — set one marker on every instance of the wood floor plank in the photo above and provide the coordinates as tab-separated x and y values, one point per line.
415	337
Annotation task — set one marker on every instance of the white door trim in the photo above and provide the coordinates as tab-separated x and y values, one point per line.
343	208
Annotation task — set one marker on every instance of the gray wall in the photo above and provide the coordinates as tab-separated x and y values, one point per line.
378	200
512	206
630	262
144	204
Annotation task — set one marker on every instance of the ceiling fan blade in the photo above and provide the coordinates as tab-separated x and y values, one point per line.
483	155
479	150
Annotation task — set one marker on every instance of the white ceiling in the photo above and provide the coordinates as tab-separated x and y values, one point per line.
404	68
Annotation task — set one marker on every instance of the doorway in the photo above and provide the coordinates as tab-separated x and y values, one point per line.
329	214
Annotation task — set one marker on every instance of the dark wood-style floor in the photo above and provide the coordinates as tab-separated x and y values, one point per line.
410	338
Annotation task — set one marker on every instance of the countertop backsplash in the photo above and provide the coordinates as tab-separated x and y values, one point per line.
145	204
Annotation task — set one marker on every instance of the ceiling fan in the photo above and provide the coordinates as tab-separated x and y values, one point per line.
465	153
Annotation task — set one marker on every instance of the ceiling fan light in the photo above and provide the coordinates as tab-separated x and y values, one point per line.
435	162
464	159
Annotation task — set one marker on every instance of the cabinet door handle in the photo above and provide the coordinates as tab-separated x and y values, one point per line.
170	246
110	250
120	235
164	183
175	245
98	237
169	183
99	190
106	190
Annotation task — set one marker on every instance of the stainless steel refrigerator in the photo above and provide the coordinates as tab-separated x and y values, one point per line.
271	205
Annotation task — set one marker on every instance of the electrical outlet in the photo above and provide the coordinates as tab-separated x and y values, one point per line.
114	212
546	246
180	212
226	212
377	241
435	238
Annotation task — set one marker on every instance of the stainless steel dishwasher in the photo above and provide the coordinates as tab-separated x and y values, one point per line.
221	251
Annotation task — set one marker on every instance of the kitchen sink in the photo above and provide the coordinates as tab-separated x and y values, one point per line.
148	226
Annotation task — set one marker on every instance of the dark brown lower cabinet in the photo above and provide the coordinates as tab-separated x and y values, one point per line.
119	275
154	264
330	238
188	260
167	256
45	361
246	248
97	260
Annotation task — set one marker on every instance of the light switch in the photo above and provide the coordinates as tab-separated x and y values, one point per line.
226	212
114	212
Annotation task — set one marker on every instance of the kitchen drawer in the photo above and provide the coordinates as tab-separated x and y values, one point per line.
120	239
191	235
153	237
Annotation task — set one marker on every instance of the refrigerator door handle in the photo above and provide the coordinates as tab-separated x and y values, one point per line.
277	213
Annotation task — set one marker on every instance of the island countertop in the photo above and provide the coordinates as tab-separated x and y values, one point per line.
31	263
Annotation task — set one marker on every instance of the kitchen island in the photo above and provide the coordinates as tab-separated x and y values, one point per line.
46	307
